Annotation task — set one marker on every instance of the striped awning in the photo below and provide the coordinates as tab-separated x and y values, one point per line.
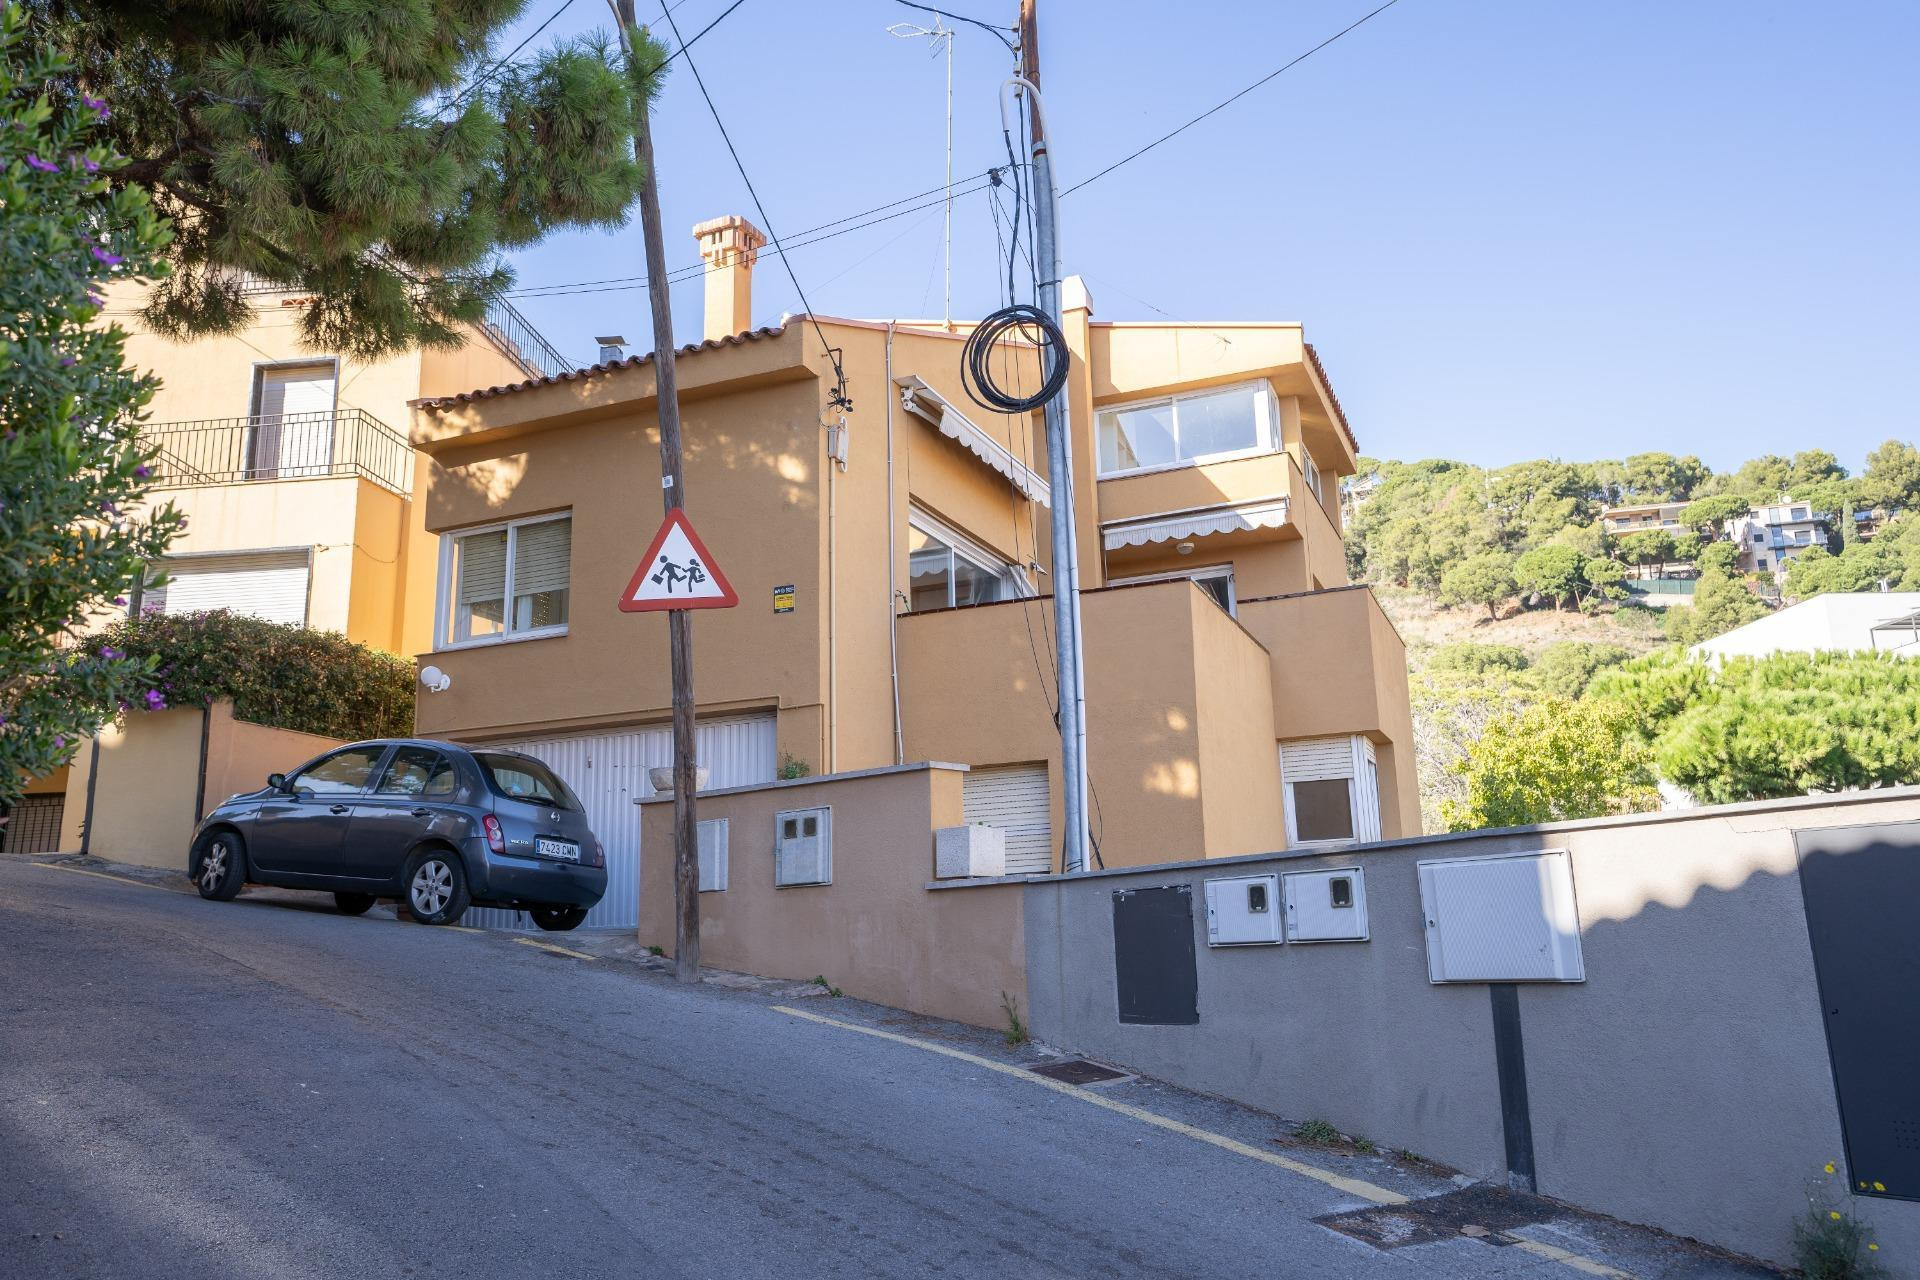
925	403
1195	524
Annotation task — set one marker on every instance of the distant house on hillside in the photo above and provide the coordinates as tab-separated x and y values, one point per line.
1639	517
1838	622
1770	536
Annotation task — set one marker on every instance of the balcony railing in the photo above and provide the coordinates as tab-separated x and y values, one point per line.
515	335
285	446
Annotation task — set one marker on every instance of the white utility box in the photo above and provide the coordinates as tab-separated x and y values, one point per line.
1325	906
972	850
712	837
1503	918
803	847
1243	911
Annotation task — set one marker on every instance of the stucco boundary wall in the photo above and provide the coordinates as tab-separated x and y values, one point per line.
160	771
1684	1084
876	932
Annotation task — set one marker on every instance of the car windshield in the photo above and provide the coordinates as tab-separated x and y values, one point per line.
522	778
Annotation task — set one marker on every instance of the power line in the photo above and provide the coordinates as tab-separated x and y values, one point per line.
799	239
702	31
1128	159
495	69
960	17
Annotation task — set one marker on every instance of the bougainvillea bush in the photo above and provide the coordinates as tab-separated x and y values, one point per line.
276	673
75	529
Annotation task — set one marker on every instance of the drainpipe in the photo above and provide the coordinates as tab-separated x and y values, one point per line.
893	613
833	608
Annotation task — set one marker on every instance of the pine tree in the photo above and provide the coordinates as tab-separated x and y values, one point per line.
373	155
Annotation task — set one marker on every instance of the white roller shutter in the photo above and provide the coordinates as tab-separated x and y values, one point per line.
608	771
263	584
294	436
1014	798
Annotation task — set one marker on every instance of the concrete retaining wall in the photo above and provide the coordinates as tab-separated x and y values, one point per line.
1684	1084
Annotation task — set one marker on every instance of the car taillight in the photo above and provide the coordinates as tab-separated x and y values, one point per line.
496	838
599	853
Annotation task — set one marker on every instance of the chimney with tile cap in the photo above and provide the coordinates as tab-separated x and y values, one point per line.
729	245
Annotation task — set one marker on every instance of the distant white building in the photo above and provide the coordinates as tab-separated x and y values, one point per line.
1840	621
1770	536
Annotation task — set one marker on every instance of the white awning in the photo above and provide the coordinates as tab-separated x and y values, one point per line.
924	402
1195	524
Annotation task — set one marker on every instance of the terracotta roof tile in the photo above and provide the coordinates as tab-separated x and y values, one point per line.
598	370
1325	381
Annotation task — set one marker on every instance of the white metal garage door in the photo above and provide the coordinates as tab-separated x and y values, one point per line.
1014	798
265	584
608	770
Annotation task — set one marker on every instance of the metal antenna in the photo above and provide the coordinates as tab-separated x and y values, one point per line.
934	35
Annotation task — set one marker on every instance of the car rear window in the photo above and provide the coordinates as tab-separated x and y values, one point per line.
521	778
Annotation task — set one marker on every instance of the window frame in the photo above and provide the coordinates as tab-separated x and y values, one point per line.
1270	429
961	547
1194	575
382	752
376	787
444	603
1364	768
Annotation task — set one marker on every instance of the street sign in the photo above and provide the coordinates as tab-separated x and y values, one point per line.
677	573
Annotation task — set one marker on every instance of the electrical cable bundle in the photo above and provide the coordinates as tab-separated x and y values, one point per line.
1025	322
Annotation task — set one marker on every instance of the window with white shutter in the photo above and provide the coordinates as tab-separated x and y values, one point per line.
260	584
525	562
1332	790
293	421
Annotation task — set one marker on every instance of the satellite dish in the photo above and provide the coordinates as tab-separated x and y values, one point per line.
436	680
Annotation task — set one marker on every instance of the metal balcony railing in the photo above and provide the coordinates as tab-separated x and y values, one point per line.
516	337
286	446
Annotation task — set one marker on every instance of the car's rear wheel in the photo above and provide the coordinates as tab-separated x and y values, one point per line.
437	887
557	919
352	904
220	866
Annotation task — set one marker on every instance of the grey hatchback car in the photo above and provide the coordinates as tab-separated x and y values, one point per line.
438	825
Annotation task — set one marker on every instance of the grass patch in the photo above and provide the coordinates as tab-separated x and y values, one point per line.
1317	1132
1016	1030
820	980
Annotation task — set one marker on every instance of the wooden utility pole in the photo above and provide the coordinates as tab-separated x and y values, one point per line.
686	855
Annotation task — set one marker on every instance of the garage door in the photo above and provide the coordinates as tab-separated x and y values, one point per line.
264	584
1013	798
609	770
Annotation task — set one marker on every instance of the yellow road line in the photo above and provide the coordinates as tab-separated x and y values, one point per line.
550	947
100	875
1340	1182
1568	1259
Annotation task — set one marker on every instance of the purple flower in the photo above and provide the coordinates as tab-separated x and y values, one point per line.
44	166
121	601
111	259
143	471
155	702
95	105
108	651
85	162
109	508
59	741
96	299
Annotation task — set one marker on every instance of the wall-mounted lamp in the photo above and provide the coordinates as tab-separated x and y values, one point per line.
436	680
1184	548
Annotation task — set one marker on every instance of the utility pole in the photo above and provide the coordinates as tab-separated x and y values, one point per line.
686	857
1066	556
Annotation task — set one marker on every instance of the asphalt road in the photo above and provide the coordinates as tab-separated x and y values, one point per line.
265	1089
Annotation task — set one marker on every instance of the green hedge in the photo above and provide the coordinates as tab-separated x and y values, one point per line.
276	674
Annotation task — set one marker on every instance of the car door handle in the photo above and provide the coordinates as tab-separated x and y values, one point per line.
419	813
341	808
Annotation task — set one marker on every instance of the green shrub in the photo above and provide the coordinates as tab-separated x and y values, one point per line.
1477	659
277	674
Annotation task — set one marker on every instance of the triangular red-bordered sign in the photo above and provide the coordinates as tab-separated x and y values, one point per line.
677	573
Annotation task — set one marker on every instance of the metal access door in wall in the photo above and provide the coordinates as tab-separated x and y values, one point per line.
1013	797
608	771
1862	891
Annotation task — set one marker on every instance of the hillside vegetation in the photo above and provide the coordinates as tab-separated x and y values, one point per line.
1529	660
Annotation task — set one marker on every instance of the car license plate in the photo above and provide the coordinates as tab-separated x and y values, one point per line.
565	850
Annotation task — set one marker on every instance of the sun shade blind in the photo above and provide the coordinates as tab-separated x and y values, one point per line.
483	567
540	556
1317	758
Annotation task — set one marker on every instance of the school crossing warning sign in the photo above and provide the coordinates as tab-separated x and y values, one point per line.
677	573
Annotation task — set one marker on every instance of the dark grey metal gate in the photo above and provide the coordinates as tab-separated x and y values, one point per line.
1862	892
1153	956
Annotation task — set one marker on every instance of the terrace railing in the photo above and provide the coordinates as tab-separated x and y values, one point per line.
285	446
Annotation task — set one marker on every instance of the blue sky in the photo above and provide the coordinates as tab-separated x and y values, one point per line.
1512	227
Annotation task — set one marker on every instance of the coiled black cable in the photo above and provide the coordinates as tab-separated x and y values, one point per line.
1031	324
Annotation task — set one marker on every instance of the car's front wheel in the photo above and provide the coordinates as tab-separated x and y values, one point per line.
220	867
557	919
352	904
437	888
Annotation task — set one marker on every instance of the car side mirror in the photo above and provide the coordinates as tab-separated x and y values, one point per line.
278	781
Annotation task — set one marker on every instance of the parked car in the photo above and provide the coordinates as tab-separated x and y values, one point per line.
437	825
